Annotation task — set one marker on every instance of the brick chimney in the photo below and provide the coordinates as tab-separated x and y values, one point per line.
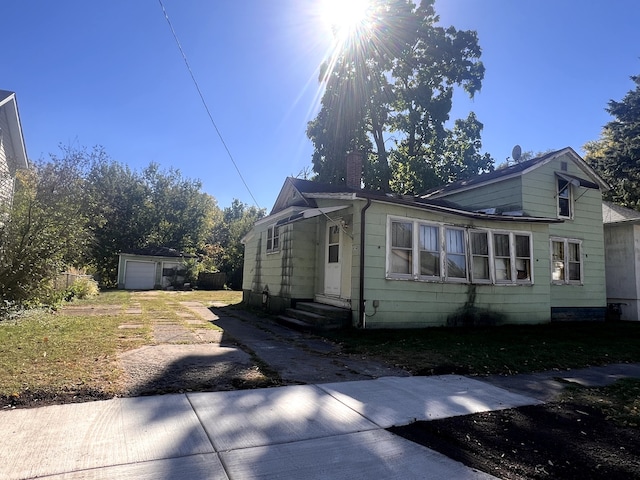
354	170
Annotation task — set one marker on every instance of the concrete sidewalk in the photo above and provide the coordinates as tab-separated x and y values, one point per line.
333	430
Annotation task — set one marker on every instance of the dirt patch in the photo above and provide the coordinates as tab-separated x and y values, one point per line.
178	368
558	440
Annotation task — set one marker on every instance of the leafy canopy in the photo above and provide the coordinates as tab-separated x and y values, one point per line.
389	87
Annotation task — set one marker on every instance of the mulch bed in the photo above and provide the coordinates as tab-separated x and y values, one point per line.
560	440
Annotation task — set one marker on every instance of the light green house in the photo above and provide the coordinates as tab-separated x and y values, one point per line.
522	244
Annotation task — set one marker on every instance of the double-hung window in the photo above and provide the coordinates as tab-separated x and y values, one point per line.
523	258
401	248
456	254
480	267
429	250
566	261
273	239
564	198
502	257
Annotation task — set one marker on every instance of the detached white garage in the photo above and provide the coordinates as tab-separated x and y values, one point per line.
150	268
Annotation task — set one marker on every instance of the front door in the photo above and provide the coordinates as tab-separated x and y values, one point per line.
333	260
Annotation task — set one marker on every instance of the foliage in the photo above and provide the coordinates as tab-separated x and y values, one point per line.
396	74
81	289
80	209
153	208
616	155
456	157
225	247
46	230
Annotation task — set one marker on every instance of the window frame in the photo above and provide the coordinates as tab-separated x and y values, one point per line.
444	252
566	261
438	251
522	281
273	238
568	198
473	255
391	248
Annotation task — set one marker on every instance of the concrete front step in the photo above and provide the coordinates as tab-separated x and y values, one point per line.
329	311
303	326
312	316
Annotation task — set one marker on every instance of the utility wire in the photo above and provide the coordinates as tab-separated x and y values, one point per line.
195	82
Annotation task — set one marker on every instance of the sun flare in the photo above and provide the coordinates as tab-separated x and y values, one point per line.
344	16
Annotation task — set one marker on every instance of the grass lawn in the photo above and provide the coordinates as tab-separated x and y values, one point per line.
506	349
619	402
75	350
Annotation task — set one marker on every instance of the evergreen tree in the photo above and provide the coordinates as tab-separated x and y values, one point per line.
616	155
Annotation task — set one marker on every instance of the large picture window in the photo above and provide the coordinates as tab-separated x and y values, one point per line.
433	252
566	261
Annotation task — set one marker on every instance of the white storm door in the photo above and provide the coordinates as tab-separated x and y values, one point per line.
333	260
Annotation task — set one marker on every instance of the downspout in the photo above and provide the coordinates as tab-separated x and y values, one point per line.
361	309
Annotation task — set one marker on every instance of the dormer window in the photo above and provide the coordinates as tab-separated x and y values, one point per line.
565	209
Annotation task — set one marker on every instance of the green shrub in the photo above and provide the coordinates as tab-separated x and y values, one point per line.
83	287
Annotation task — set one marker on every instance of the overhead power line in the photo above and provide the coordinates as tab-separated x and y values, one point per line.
206	107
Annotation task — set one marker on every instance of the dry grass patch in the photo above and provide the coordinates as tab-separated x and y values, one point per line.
72	353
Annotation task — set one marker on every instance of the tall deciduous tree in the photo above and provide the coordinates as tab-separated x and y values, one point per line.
396	74
135	210
616	155
47	229
225	240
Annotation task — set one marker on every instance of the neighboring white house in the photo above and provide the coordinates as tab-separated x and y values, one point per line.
622	259
13	155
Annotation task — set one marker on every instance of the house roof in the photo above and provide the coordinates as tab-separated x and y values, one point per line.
303	193
17	152
520	169
612	213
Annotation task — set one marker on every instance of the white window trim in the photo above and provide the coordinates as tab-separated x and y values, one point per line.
570	216
443	257
489	236
566	280
419	276
275	238
443	277
512	257
388	255
515	258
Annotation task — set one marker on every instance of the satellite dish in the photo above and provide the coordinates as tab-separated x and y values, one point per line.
516	153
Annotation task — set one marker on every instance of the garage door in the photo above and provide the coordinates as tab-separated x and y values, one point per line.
140	275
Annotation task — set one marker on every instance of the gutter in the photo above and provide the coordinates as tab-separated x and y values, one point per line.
361	311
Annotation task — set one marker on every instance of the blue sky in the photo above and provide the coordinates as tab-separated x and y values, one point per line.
109	73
